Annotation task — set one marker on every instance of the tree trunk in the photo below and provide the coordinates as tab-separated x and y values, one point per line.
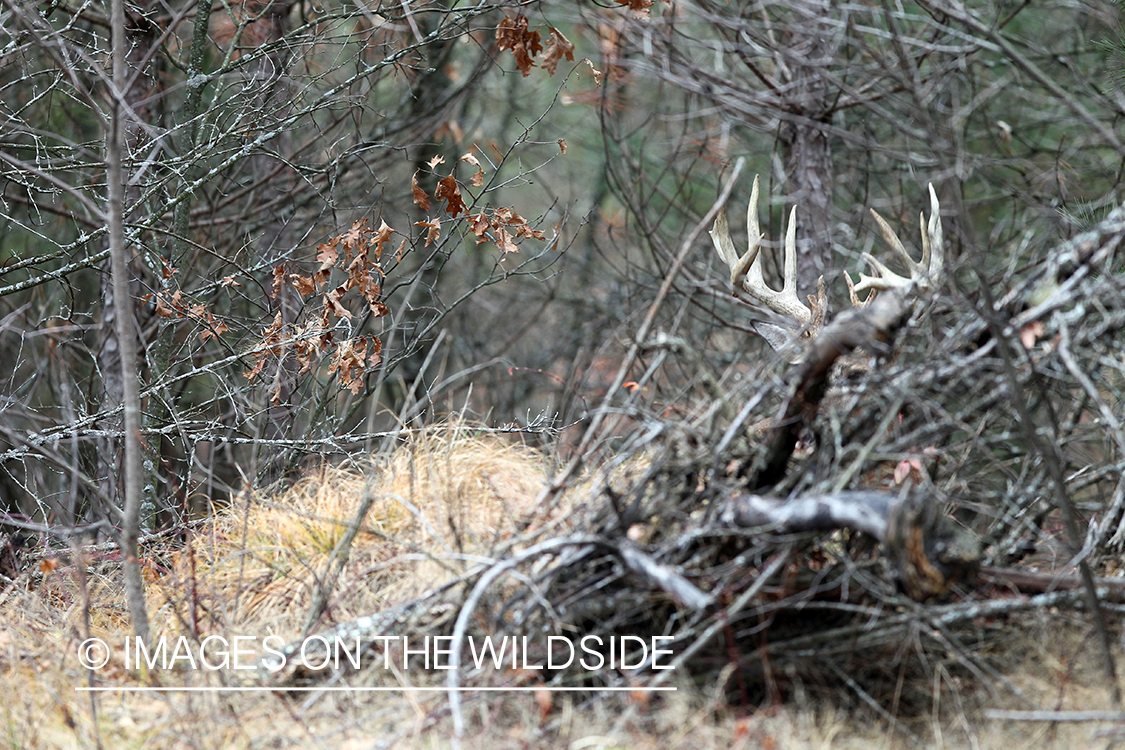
805	147
115	154
138	38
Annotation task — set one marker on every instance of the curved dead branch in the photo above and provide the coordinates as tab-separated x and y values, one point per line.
872	327
929	553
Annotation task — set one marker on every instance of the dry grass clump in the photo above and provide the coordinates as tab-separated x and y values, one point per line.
442	499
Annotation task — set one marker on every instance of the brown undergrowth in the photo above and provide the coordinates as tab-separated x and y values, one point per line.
445	499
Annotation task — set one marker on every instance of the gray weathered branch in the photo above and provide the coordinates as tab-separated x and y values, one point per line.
930	553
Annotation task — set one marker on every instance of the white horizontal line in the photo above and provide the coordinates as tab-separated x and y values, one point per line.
337	688
1049	715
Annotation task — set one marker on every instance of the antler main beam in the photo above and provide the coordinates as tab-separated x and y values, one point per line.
925	275
746	271
807	319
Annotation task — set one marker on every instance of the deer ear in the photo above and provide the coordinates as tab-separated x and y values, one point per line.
778	337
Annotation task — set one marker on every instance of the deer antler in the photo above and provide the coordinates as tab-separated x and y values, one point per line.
926	274
746	271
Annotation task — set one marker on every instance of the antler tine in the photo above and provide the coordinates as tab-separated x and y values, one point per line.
746	272
789	269
750	259
933	250
724	245
785	302
925	274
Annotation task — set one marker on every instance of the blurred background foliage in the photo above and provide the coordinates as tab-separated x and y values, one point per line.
261	130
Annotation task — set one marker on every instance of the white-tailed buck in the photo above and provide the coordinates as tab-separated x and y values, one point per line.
870	325
806	320
929	552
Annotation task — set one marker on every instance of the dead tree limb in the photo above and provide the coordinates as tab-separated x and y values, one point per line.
929	552
871	327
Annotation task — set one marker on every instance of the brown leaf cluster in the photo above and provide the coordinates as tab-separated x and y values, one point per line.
351	361
504	227
358	253
272	342
512	33
173	307
359	244
447	190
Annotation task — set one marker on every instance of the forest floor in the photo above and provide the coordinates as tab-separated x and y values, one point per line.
1054	664
248	570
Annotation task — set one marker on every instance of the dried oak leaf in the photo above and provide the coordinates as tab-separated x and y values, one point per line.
305	349
259	364
272	335
382	234
275	389
215	327
596	73
304	355
305	285
433	230
478	225
178	302
639	7
327	255
420	198
478	178
558	47
504	240
359	277
215	331
278	280
171	308
376	351
448	191
512	34
354	237
309	343
525	231
349	356
332	302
